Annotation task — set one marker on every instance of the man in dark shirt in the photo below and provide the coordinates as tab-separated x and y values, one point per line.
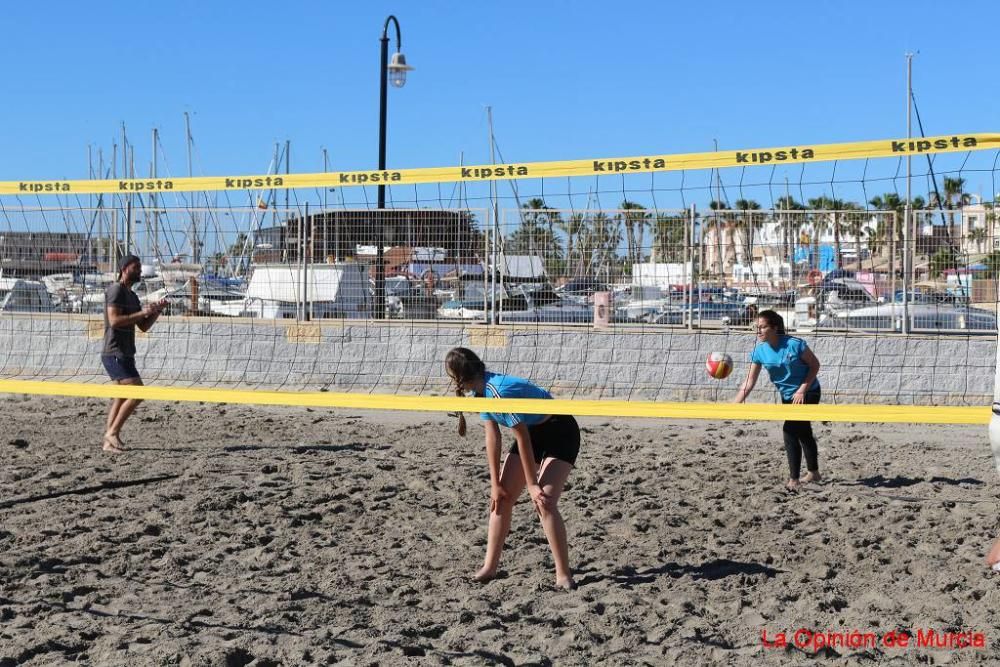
122	313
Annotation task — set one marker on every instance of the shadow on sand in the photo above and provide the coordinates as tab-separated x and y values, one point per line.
711	571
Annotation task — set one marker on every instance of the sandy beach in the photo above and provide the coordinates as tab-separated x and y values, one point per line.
235	535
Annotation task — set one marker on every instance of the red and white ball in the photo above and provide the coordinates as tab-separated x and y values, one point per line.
719	365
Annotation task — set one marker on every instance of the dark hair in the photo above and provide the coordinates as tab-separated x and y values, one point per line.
774	319
126	261
464	366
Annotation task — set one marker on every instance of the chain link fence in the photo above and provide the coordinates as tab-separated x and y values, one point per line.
823	269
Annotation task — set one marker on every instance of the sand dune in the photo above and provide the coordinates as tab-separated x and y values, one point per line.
235	535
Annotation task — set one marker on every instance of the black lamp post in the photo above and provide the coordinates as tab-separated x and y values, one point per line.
396	69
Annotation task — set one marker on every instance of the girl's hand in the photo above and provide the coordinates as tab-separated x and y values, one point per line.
541	499
799	398
497	496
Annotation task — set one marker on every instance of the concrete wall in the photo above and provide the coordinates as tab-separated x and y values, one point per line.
406	357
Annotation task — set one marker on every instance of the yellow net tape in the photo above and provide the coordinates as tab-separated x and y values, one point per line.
916	414
751	157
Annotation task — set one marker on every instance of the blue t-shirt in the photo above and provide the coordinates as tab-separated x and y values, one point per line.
508	386
784	364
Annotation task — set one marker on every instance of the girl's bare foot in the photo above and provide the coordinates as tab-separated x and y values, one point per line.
812	476
485	574
566	582
792	485
993	557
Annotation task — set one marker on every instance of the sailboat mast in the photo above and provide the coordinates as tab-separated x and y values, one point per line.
90	204
195	244
111	256
128	198
154	242
494	268
326	226
274	195
133	244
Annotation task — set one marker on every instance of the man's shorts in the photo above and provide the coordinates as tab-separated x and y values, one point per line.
119	368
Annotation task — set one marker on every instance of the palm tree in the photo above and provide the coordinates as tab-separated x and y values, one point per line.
718	223
536	235
876	240
749	223
891	201
585	245
831	219
944	259
954	197
992	262
602	238
790	225
821	223
854	225
991	220
977	235
636	222
895	238
573	228
668	237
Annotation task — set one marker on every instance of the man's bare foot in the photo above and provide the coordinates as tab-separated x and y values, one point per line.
812	476
566	582
993	557
484	575
112	443
792	485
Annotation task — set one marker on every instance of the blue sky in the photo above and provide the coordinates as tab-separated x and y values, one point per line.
565	79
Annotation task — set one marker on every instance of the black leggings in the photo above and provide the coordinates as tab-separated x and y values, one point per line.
799	438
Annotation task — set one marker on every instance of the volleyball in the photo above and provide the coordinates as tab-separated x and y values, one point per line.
719	365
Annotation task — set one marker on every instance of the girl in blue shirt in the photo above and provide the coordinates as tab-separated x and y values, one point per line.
544	453
793	368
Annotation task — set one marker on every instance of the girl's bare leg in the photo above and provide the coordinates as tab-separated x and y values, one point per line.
512	481
552	478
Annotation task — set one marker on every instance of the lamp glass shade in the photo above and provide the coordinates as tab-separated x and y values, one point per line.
398	69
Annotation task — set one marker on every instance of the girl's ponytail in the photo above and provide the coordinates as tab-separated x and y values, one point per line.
463	366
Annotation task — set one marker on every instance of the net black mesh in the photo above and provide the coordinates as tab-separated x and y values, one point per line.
281	289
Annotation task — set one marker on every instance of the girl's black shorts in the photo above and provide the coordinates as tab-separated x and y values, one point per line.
558	437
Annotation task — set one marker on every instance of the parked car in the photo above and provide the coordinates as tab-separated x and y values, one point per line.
924	317
641	302
723	311
24	296
581	289
476	302
545	305
925	296
667	315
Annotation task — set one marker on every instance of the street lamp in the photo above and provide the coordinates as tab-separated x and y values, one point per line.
394	71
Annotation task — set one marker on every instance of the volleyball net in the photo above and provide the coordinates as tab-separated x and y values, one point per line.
609	281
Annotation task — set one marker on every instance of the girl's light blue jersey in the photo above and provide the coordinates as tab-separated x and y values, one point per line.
508	386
